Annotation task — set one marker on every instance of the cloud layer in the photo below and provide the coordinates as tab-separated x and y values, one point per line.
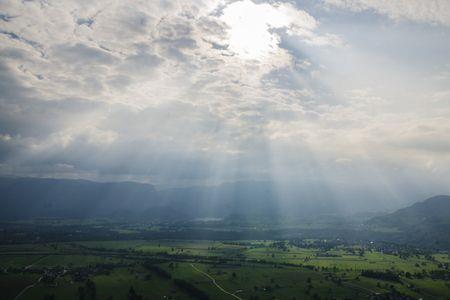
183	92
431	11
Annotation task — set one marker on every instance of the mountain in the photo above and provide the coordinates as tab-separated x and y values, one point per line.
432	211
425	223
247	199
23	198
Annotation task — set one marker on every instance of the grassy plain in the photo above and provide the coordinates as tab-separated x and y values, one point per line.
244	269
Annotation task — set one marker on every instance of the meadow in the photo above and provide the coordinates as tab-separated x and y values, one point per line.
208	269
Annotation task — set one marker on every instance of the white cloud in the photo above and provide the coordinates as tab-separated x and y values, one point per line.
251	27
5	137
429	11
199	89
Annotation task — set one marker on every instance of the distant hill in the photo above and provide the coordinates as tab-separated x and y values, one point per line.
434	210
23	198
425	223
247	199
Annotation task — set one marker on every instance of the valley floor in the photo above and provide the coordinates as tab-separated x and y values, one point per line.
193	269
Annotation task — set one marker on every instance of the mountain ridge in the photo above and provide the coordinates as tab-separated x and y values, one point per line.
25	198
430	211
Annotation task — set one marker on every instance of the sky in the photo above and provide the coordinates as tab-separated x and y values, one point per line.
348	93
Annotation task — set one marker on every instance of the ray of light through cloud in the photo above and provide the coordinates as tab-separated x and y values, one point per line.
319	98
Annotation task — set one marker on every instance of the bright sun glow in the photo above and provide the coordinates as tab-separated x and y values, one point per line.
250	25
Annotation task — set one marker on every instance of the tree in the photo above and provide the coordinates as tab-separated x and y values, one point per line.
81	293
91	290
132	295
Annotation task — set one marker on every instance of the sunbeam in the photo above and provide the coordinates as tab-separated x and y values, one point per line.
209	149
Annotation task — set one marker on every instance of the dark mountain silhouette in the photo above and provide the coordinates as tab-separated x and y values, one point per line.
23	198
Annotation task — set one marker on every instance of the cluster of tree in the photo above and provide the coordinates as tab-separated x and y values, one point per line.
190	289
80	274
440	274
160	271
88	292
132	295
321	244
246	244
326	254
386	275
281	245
392	295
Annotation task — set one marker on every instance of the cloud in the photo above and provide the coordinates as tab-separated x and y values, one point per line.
82	54
188	91
140	64
431	11
255	30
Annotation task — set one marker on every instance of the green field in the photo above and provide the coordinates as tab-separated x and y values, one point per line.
241	270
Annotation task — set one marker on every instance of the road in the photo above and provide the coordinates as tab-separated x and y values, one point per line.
30	266
215	283
27	288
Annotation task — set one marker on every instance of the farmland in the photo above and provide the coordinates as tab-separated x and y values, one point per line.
212	269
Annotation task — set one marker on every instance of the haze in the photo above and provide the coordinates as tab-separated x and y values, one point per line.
344	96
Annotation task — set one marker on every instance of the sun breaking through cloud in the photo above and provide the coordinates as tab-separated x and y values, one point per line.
348	93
